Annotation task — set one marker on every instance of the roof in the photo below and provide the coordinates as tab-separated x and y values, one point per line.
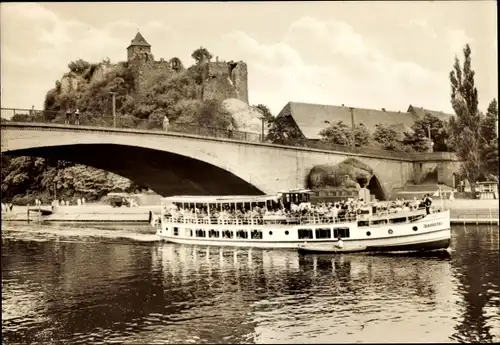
311	118
420	112
139	41
219	199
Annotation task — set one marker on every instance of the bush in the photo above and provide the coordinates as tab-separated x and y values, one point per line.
23	200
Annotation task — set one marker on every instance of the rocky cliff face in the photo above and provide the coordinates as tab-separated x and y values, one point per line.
247	118
71	83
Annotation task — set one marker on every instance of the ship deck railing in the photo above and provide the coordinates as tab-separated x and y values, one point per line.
283	220
295	220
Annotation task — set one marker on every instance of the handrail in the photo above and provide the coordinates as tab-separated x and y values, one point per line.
130	122
285	220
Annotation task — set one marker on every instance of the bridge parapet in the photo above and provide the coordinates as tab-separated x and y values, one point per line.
129	124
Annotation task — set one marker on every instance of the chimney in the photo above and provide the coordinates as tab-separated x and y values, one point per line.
216	59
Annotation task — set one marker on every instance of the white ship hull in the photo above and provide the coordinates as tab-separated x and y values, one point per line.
428	233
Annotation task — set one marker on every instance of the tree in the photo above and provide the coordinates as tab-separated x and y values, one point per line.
284	131
387	138
489	123
266	114
267	118
489	147
362	136
200	55
338	133
79	66
466	127
419	137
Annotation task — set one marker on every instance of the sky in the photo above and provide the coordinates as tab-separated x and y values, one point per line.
361	54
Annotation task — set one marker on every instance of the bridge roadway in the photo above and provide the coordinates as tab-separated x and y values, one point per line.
177	163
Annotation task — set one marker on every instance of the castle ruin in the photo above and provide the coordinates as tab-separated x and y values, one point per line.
221	80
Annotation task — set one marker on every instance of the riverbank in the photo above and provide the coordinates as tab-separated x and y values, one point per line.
461	212
464	211
85	213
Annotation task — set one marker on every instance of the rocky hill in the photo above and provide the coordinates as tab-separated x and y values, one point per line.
88	87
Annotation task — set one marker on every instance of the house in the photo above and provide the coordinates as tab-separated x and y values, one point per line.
420	113
309	119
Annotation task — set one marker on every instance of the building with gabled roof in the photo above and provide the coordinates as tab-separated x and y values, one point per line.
138	45
310	119
420	113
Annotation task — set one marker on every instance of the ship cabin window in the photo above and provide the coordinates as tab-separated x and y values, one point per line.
176	231
227	234
323	233
379	222
213	234
364	211
256	235
415	218
305	233
241	234
342	232
362	223
188	232
200	233
397	220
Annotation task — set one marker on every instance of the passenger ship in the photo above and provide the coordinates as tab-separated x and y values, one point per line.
403	231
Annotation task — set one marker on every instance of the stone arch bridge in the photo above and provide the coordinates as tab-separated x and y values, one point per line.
174	163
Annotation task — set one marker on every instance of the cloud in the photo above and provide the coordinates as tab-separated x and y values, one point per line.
420	25
328	62
315	61
37	46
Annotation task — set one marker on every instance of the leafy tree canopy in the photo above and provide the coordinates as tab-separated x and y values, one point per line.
339	133
419	138
466	127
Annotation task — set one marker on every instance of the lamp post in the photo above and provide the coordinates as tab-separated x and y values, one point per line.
262	129
114	108
431	143
352	124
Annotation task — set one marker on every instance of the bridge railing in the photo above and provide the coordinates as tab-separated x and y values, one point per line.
131	122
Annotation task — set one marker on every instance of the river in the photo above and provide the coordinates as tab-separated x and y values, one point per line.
63	284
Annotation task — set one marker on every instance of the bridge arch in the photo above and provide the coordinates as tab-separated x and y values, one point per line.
165	172
267	167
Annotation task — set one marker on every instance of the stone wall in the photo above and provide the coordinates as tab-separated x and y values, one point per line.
270	168
144	73
239	75
226	80
223	80
220	88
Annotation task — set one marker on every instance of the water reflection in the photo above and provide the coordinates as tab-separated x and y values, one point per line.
110	292
477	267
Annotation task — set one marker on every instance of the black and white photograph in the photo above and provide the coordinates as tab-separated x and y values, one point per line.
249	172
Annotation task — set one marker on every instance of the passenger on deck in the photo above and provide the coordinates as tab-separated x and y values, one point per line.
427	201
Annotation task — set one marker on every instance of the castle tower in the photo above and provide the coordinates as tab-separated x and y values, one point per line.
138	45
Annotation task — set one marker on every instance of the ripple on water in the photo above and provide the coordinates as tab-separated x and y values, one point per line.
82	285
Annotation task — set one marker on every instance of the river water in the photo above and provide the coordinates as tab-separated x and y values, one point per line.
88	285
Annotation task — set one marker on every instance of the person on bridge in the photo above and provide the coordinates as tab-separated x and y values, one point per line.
166	123
68	117
230	130
77	116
